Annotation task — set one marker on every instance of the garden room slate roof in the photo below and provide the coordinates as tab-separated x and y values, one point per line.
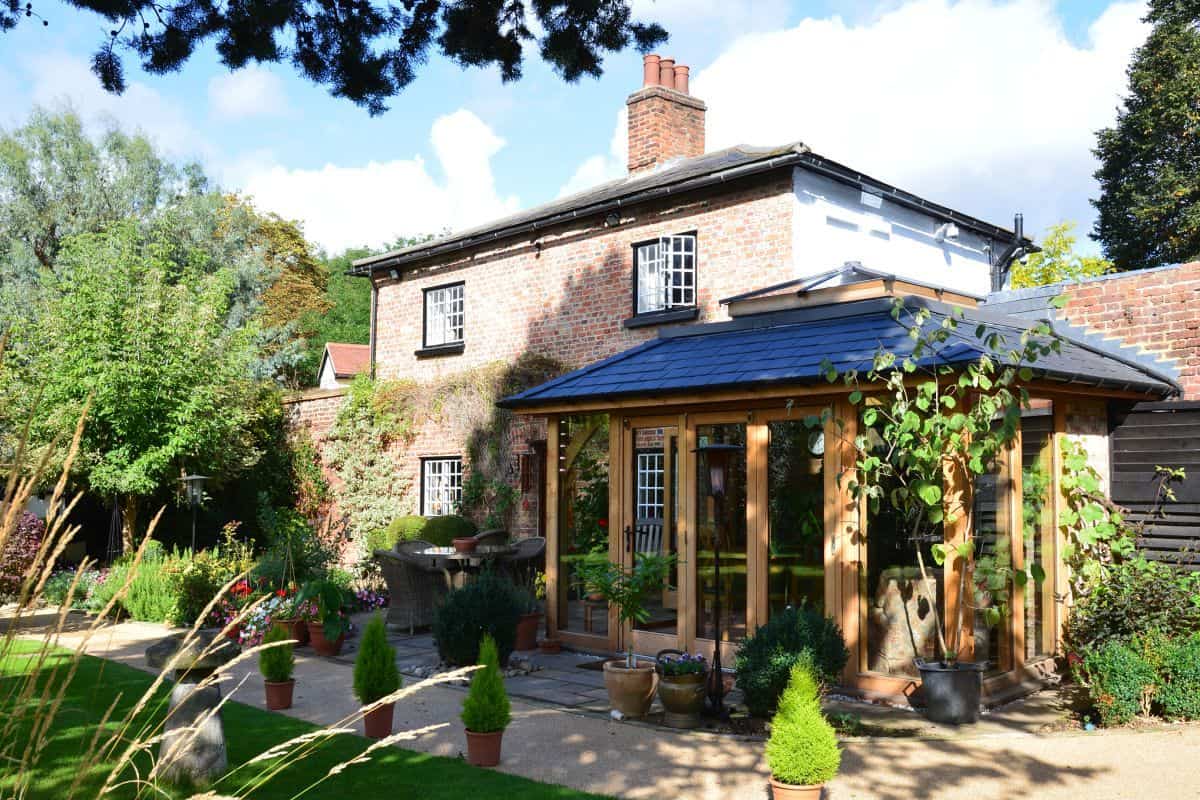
788	348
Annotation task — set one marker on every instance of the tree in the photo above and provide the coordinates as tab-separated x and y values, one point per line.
1057	261
1149	204
366	52
142	337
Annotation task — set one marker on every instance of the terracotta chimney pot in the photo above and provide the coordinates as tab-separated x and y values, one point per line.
666	72
650	70
681	78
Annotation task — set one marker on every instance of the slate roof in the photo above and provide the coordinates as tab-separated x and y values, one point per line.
681	175
788	347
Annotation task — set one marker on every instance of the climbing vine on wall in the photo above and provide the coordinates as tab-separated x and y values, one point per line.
381	418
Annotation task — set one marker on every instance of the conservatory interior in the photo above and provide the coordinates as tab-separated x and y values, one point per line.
628	474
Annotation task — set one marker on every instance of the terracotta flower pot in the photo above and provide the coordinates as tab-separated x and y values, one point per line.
377	723
323	646
630	690
682	697
791	791
295	628
483	749
527	628
279	695
550	645
465	544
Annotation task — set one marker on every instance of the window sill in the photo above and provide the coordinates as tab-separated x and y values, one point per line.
662	317
441	350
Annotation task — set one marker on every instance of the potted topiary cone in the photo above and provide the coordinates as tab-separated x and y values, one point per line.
375	678
803	749
486	712
276	663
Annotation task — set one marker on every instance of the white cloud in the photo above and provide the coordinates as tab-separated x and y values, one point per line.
984	106
56	79
248	92
343	206
601	168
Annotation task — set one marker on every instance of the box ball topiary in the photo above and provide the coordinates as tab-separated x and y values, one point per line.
375	673
486	708
401	529
442	531
488	605
277	663
764	660
803	748
1120	681
1179	693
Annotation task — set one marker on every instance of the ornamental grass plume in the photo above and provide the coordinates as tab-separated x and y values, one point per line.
486	708
803	748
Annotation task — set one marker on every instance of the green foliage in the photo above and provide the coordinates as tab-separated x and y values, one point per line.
196	579
1057	261
443	530
1179	690
766	658
329	598
491	500
1134	598
1121	683
375	673
625	589
295	552
803	748
1149	204
401	529
276	663
486	707
488	605
928	419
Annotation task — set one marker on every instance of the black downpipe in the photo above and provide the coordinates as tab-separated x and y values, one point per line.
1014	250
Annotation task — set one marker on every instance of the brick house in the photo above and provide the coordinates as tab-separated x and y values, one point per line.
692	253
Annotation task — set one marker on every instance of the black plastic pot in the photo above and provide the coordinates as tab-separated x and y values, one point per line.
951	691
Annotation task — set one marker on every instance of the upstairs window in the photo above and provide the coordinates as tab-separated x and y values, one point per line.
441	486
445	316
664	272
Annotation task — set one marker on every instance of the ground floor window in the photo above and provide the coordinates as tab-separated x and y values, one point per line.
441	485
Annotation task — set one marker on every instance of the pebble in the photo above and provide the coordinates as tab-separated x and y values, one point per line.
517	666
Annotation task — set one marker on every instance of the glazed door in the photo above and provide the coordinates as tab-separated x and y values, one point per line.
652	525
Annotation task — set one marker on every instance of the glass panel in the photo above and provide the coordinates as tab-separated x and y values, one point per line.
444	316
582	518
443	486
796	516
993	556
1037	442
901	624
722	532
656	509
650	279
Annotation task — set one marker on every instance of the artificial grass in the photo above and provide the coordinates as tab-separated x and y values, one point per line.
390	772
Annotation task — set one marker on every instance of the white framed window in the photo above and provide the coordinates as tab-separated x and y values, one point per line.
665	273
441	485
651	486
445	315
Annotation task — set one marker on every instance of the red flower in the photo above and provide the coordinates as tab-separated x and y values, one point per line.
602	523
281	592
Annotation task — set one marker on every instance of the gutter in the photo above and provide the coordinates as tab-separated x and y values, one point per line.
800	155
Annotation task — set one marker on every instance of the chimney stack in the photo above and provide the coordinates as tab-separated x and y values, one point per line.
665	122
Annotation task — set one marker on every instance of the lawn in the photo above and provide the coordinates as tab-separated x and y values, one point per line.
391	772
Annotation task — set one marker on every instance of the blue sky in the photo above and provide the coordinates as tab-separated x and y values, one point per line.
988	106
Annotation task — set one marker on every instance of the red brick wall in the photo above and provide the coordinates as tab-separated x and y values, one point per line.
314	411
1157	309
663	124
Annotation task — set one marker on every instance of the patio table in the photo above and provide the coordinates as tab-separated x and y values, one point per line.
451	562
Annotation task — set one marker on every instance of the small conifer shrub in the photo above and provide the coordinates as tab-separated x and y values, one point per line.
803	748
486	709
375	673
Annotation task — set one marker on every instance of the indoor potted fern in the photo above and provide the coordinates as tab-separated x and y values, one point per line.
486	711
276	663
802	751
376	677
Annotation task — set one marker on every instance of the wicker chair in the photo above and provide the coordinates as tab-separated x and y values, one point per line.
415	590
494	536
528	557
